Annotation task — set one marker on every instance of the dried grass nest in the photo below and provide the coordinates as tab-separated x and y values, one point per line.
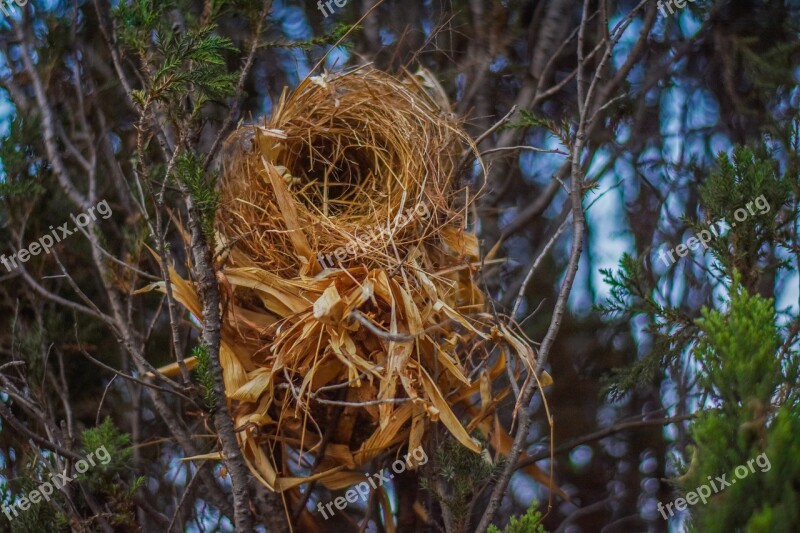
332	362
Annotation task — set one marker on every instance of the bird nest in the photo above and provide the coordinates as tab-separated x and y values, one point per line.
353	321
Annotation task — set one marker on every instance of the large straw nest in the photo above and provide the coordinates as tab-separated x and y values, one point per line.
329	366
354	151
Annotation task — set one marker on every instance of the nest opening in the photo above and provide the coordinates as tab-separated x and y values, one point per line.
333	177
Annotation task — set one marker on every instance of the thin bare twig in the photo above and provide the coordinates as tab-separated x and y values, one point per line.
102	399
535	266
523	147
578	229
187	491
602	433
9	417
133	379
494	128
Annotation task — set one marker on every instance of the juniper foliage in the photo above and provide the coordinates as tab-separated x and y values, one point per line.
752	409
747	248
530	522
100	480
202	372
455	477
742	352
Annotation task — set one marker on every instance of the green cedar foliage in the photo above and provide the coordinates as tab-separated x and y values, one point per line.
189	170
526	120
736	182
530	522
192	60
102	481
747	373
330	38
671	330
456	476
20	162
203	375
753	381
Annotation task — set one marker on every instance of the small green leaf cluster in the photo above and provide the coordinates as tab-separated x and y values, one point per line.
457	475
136	19
738	349
526	119
330	38
202	372
20	160
118	445
194	61
736	182
101	480
530	522
38	517
189	170
178	62
632	295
